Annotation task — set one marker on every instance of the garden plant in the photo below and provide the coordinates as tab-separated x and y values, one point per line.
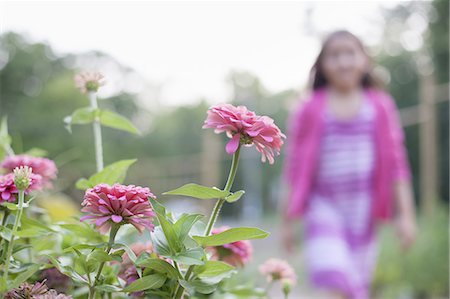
187	257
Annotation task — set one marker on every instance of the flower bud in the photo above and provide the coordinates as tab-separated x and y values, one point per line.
22	177
89	81
287	286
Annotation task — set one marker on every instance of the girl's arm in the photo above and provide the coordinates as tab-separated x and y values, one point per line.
406	215
404	197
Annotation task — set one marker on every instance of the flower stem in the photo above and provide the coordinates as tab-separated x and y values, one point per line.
13	233
97	133
112	236
228	185
5	217
215	213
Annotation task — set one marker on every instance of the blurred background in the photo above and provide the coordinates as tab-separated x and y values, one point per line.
166	62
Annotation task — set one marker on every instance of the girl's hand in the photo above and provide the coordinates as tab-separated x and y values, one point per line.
406	221
406	231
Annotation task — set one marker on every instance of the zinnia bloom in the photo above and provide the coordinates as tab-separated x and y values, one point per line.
44	167
8	190
119	204
237	253
247	128
37	291
89	81
276	269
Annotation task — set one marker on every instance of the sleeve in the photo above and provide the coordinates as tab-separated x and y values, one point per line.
401	168
295	131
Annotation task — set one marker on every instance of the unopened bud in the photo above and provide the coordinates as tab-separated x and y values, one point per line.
22	177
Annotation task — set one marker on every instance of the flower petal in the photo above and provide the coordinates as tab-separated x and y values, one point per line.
233	144
116	218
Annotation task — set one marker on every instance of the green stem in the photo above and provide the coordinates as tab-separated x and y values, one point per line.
112	236
5	217
97	133
178	288
215	213
13	233
228	185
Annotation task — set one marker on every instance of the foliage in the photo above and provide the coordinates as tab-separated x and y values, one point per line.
180	263
399	273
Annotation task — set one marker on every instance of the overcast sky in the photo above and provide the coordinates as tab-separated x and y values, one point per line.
190	47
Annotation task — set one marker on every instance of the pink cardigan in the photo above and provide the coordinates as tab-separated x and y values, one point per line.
304	135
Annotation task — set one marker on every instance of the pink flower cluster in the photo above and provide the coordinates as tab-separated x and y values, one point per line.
276	269
43	167
119	204
8	190
236	254
247	128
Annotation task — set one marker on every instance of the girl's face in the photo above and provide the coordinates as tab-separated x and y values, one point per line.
344	63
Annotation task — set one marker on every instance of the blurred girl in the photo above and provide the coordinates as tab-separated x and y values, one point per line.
345	164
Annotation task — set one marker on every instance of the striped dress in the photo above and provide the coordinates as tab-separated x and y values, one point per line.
340	243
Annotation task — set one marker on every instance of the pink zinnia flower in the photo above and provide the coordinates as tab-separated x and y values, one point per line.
37	291
122	204
44	167
276	269
8	190
89	81
247	128
237	253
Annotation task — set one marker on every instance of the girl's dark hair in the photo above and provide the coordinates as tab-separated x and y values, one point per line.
317	76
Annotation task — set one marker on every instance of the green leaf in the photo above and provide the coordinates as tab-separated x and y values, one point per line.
80	116
113	120
157	207
99	256
3	285
21	247
160	242
27	222
231	235
159	265
108	288
198	286
191	256
82	229
198	191
170	234
184	224
235	196
154	281
10	206
5	232
128	250
247	292
31	233
212	268
33	268
111	174
66	270
83	184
